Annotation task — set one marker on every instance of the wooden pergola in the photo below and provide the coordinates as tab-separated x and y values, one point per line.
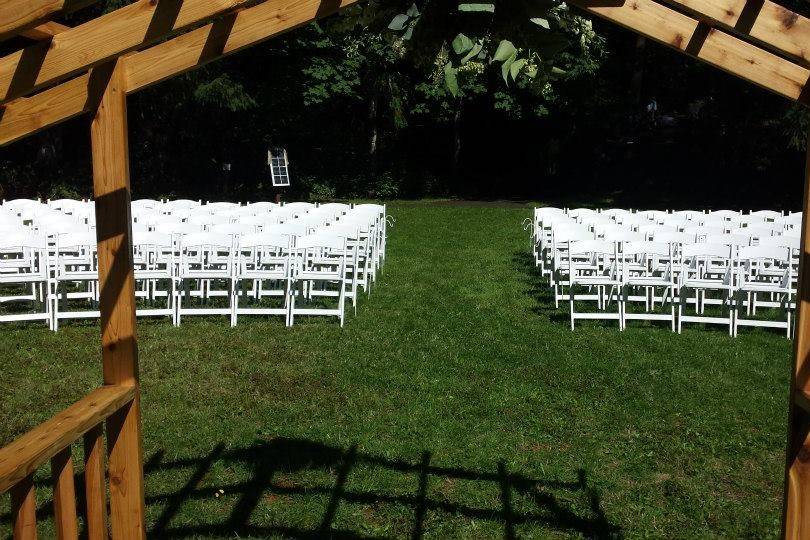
93	67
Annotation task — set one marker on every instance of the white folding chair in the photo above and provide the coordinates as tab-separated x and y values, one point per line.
764	270
648	266
706	268
262	272
24	277
206	274
75	278
593	264
155	274
318	262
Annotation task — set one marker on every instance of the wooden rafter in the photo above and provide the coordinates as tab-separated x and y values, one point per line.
24	116
107	37
19	15
44	31
716	47
765	22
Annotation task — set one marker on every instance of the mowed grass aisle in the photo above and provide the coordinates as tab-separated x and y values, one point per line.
455	404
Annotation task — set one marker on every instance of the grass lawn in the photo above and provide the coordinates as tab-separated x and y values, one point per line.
457	403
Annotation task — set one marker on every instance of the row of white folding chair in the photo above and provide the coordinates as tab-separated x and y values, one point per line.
738	274
203	258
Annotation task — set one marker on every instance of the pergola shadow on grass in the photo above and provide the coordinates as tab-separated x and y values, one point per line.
566	506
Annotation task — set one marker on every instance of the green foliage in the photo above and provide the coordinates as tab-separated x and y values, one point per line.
225	93
321	193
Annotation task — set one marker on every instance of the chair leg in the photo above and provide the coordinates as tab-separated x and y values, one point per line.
570	303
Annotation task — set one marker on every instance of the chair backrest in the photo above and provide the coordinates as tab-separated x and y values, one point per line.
177	227
613	212
73	240
769	215
206	240
707	250
322	240
570	234
792	242
755	231
725	214
155	239
701	231
340	207
676	237
728	239
22	240
647	248
586	247
688	215
233	228
617	235
774	253
290	229
264	240
298	206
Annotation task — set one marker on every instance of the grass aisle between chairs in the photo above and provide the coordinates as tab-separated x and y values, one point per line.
455	404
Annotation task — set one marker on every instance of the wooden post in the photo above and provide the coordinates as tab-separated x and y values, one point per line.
95	490
796	510
117	301
24	509
64	496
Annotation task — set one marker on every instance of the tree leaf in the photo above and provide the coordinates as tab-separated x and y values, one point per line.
408	33
462	44
540	21
451	78
515	68
507	64
475	51
505	50
399	22
413	11
477	6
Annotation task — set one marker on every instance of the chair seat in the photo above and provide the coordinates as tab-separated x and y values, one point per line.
706	284
648	281
763	287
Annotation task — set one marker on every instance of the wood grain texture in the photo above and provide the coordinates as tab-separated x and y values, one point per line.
20	458
101	39
19	15
769	24
226	36
715	47
24	509
64	496
95	490
119	344
44	31
796	507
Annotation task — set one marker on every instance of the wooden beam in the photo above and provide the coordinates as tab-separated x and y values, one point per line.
766	22
44	31
116	276
796	508
23	456
18	15
226	36
713	46
109	36
25	116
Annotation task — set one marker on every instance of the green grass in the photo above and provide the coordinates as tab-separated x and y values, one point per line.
456	403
